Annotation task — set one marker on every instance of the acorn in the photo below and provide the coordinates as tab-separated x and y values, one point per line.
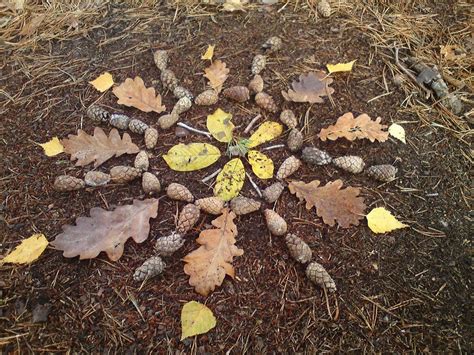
68	183
258	63
168	120
266	102
96	178
324	9
180	92
168	79
183	105
137	126
318	275
385	172
151	137
211	205
150	183
122	174
179	192
315	156
98	114
187	218
243	205
206	98
160	58
295	140
288	118
288	167
151	267
165	246
273	192
275	223
237	93
141	161
274	44
256	84
299	250
119	121
350	163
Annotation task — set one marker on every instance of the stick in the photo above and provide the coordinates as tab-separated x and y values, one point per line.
252	123
276	146
189	128
254	185
209	177
410	75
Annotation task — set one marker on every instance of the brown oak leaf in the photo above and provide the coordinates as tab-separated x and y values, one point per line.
107	230
134	93
208	265
332	203
310	88
355	128
217	74
99	147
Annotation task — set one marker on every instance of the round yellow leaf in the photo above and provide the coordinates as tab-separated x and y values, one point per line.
28	251
52	147
262	165
266	132
103	82
196	319
382	221
230	180
192	156
397	131
220	125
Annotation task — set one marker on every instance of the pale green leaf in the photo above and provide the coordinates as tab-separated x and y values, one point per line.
397	131
220	125
196	319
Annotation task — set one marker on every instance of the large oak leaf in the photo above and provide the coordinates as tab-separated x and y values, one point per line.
132	92
310	88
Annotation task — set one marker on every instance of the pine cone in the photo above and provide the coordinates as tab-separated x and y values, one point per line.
350	163
119	121
385	172
324	9
243	205
187	218
161	59
256	84
206	98
169	80
299	250
137	126
318	275
165	246
98	114
180	92
211	205
273	192
122	174
314	156
274	44
288	167
151	267
141	161
258	64
266	102
96	178
288	118
151	137
182	106
179	192
150	183
237	93
168	120
275	223
68	183
295	140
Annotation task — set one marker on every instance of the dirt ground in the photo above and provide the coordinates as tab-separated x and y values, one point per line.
405	291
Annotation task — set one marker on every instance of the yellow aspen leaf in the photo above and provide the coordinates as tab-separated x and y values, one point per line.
266	132
397	131
196	319
220	125
28	251
52	147
340	67
262	165
230	180
103	82
382	221
192	156
209	53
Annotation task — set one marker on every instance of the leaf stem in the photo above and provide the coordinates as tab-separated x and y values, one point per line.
209	177
254	185
252	123
276	146
189	128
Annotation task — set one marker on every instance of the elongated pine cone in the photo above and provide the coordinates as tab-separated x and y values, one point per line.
274	44
168	79
141	161
237	93
288	167
150	268
324	9
385	172
206	98
299	250
318	275
275	223
256	84
96	178
165	246
350	163
265	101
211	205
182	106
151	137
288	118
243	205
150	183
98	114
180	92
258	64
295	140
187	218
137	126
273	192
160	58
315	156
68	183
122	174
119	121
179	192
168	120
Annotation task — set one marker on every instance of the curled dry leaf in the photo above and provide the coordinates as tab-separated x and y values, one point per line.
217	74
311	88
133	93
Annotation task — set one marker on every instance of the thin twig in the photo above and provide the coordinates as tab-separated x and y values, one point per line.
252	123
276	146
189	128
410	75
254	185
209	177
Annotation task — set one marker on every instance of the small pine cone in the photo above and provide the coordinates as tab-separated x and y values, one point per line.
258	64
237	93
151	267
168	120
141	161
266	102
274	44
122	174
273	192
295	140
318	275
161	59
275	223
288	118
119	121
243	205
350	163
256	84
299	250
179	192
151	137
182	106
211	205
96	178
187	218
324	9
150	183
165	246
169	80
98	114
180	92
314	156
68	183
385	172
137	126
288	167
206	98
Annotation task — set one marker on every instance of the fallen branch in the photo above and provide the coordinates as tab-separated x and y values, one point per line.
410	75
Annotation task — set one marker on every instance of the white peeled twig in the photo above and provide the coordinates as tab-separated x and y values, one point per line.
276	146
254	185
209	177
189	128
252	123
